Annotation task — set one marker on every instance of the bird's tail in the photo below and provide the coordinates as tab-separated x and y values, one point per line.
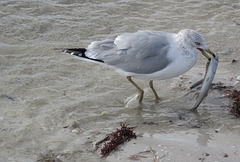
80	53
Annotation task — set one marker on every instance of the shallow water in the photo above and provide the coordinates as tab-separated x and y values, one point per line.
42	91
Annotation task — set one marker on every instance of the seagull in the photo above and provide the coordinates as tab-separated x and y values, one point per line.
147	55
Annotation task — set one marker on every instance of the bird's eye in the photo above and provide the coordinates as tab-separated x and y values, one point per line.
197	43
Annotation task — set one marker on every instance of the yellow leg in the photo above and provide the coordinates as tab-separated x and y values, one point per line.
141	92
154	92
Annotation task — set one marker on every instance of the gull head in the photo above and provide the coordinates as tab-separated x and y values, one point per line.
195	41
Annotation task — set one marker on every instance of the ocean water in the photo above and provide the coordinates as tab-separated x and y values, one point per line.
53	103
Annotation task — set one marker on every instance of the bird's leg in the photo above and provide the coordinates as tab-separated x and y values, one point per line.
141	92
154	92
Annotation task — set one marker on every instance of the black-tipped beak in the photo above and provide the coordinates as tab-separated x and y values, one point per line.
205	54
210	52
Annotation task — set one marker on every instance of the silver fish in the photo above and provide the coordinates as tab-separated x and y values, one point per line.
210	73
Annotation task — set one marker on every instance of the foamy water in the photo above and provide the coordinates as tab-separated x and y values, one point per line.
43	91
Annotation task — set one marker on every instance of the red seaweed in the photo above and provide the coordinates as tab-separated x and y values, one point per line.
118	137
234	95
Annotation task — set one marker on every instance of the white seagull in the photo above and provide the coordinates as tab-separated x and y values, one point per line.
147	55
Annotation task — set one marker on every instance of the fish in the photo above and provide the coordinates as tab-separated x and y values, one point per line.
211	68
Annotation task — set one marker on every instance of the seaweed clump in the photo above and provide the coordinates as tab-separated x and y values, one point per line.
234	96
118	137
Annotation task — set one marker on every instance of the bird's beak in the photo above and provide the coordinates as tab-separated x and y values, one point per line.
205	54
211	53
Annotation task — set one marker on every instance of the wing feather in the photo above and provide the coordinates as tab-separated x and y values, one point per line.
141	52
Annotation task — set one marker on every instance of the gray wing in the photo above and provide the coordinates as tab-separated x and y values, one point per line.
142	52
